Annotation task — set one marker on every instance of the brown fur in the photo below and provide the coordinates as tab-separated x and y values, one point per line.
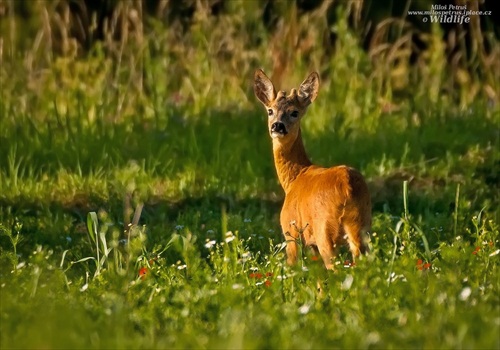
324	207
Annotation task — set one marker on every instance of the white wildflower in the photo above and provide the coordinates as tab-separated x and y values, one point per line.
229	237
465	293
246	256
347	283
304	309
210	243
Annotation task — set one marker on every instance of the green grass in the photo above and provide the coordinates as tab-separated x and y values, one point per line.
80	135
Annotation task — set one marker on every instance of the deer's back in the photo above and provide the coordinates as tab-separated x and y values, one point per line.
327	193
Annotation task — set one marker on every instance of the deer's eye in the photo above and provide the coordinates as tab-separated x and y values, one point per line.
294	114
270	112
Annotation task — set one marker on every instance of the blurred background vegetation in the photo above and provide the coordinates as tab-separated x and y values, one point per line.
233	32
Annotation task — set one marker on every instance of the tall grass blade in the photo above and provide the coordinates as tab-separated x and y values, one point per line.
455	218
63	257
92	225
393	257
137	214
424	241
405	198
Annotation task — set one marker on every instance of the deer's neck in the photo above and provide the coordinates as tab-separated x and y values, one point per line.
290	160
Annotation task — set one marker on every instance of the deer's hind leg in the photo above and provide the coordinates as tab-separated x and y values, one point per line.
326	234
355	235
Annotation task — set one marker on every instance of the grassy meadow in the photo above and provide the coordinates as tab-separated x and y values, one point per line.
139	204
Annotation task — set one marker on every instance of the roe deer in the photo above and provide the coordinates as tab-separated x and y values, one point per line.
323	207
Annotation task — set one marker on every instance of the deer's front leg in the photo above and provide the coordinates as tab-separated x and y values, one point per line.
291	250
292	246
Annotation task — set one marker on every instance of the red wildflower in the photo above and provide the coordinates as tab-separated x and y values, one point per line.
256	275
476	250
143	272
423	266
314	258
267	283
269	274
490	243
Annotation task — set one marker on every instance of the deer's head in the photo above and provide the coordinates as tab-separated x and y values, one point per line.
285	111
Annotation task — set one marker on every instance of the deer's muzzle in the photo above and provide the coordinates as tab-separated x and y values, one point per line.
278	129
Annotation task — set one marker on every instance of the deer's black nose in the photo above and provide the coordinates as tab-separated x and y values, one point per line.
279	128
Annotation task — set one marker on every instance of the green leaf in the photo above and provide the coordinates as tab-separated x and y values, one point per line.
92	225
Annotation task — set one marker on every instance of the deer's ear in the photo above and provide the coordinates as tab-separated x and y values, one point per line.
308	90
263	88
